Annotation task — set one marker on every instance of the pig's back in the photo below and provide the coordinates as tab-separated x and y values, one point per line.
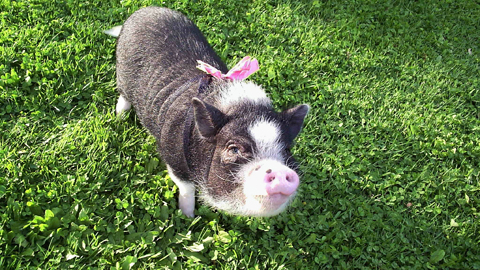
156	66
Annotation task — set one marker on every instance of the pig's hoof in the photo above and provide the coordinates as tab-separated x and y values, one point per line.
188	213
122	105
187	204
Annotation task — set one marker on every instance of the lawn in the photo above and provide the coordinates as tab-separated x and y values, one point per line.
390	152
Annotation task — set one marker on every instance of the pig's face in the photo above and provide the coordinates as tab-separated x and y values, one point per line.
252	171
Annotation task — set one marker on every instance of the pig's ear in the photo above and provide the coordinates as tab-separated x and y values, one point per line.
294	118
208	119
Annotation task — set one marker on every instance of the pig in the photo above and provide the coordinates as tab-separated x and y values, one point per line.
218	136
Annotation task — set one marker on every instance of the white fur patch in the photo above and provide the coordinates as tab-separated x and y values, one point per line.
266	135
186	198
242	91
114	32
122	105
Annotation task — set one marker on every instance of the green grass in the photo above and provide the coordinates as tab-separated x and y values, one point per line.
390	151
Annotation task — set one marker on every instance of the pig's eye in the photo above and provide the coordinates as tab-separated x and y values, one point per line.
235	153
234	149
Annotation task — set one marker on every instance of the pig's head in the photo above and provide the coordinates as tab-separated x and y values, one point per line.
252	171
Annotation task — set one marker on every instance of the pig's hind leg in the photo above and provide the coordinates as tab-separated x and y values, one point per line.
186	198
122	105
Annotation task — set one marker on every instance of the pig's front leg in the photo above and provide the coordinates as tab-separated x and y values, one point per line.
186	198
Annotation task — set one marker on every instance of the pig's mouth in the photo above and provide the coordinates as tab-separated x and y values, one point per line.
276	200
268	205
237	203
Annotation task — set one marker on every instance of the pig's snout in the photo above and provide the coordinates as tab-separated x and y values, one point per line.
272	179
281	181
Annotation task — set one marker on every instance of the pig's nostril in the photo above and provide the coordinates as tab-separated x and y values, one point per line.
269	171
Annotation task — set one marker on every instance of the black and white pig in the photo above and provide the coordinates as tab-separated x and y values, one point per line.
218	136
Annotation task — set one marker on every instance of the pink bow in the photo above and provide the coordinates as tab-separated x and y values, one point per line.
240	71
